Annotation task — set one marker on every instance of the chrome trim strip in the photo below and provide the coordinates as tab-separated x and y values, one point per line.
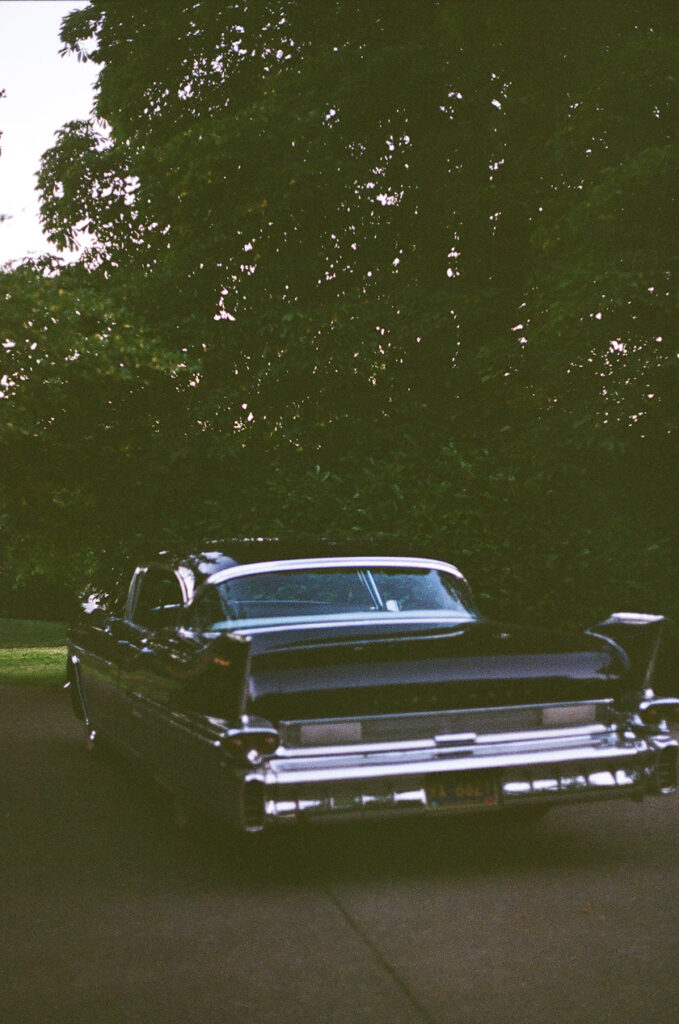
291	564
187	582
349	749
549	735
442	743
426	619
279	773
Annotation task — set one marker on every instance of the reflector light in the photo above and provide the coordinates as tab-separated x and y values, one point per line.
327	734
569	714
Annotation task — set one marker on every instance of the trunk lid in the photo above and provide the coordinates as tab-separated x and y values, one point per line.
387	669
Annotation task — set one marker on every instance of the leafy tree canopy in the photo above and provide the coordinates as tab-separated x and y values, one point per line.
381	195
405	267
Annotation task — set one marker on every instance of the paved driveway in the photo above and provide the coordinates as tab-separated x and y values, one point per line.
109	915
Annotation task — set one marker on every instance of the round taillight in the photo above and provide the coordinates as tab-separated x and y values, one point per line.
267	742
243	743
235	743
650	715
660	711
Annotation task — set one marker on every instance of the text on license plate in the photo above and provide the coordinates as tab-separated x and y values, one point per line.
462	789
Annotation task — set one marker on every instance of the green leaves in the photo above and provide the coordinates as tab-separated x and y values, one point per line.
410	275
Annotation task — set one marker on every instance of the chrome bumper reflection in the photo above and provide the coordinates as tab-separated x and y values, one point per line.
293	789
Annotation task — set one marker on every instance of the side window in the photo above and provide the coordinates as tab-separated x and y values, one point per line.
207	609
159	600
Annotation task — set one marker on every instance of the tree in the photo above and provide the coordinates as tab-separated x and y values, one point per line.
370	239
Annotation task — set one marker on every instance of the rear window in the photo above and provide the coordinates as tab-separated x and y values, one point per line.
304	595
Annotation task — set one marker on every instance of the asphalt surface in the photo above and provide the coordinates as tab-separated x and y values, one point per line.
109	914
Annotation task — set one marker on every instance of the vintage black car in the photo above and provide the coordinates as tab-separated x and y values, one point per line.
264	688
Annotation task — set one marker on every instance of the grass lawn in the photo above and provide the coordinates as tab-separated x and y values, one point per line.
32	652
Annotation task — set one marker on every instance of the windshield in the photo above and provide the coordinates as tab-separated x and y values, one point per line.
303	595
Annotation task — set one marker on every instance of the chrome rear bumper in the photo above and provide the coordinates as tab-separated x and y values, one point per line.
499	772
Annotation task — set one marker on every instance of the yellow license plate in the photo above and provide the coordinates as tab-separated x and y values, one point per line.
463	789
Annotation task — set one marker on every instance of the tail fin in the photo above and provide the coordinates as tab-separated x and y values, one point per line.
639	636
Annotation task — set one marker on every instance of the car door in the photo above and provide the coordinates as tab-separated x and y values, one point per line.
154	659
179	742
142	680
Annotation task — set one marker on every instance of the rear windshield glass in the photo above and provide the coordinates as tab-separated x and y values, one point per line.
303	595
